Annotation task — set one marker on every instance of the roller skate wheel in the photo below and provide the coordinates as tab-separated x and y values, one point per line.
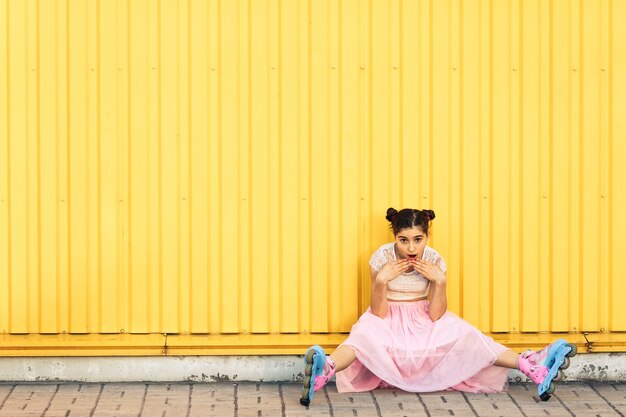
573	351
565	363
559	376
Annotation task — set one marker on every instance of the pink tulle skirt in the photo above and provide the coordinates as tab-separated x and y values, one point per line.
407	350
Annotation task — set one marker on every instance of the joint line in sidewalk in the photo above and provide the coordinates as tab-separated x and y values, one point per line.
143	400
56	391
376	404
282	399
470	404
564	405
516	403
93	410
7	397
607	401
330	405
189	400
419	397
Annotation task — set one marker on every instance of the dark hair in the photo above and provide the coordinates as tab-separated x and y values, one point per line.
409	218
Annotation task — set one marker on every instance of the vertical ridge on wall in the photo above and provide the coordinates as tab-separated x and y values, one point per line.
274	151
485	164
515	214
545	156
154	167
455	233
259	67
184	232
198	170
363	130
120	69
229	163
138	242
499	187
469	149
574	169
303	158
63	218
5	105
214	138
488	187
616	197
381	186
560	131
408	62
604	162
169	175
394	92
335	292
590	147
289	175
245	237
46	178
349	64
77	114
548	168
32	168
320	150
530	133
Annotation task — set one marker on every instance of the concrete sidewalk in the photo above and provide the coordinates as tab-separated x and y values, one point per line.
282	399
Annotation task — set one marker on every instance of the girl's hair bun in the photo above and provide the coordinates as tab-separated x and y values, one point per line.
430	214
391	213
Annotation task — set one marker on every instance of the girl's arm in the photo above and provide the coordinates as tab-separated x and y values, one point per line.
378	300
438	303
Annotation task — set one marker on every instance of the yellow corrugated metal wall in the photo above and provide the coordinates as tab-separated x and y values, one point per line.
211	166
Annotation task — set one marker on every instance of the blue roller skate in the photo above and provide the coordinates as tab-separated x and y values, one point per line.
314	361
545	367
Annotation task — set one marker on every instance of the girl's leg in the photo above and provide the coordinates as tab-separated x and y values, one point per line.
343	357
507	359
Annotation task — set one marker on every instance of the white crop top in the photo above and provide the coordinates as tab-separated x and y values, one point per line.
408	286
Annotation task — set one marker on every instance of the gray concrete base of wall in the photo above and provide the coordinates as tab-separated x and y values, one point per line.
606	367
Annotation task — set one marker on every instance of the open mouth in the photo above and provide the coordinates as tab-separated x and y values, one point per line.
411	257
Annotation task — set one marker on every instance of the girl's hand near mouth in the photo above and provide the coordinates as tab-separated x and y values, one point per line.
431	271
392	270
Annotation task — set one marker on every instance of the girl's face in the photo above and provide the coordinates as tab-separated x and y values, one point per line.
410	243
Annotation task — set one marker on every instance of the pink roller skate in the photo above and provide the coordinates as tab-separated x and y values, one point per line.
544	367
317	369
